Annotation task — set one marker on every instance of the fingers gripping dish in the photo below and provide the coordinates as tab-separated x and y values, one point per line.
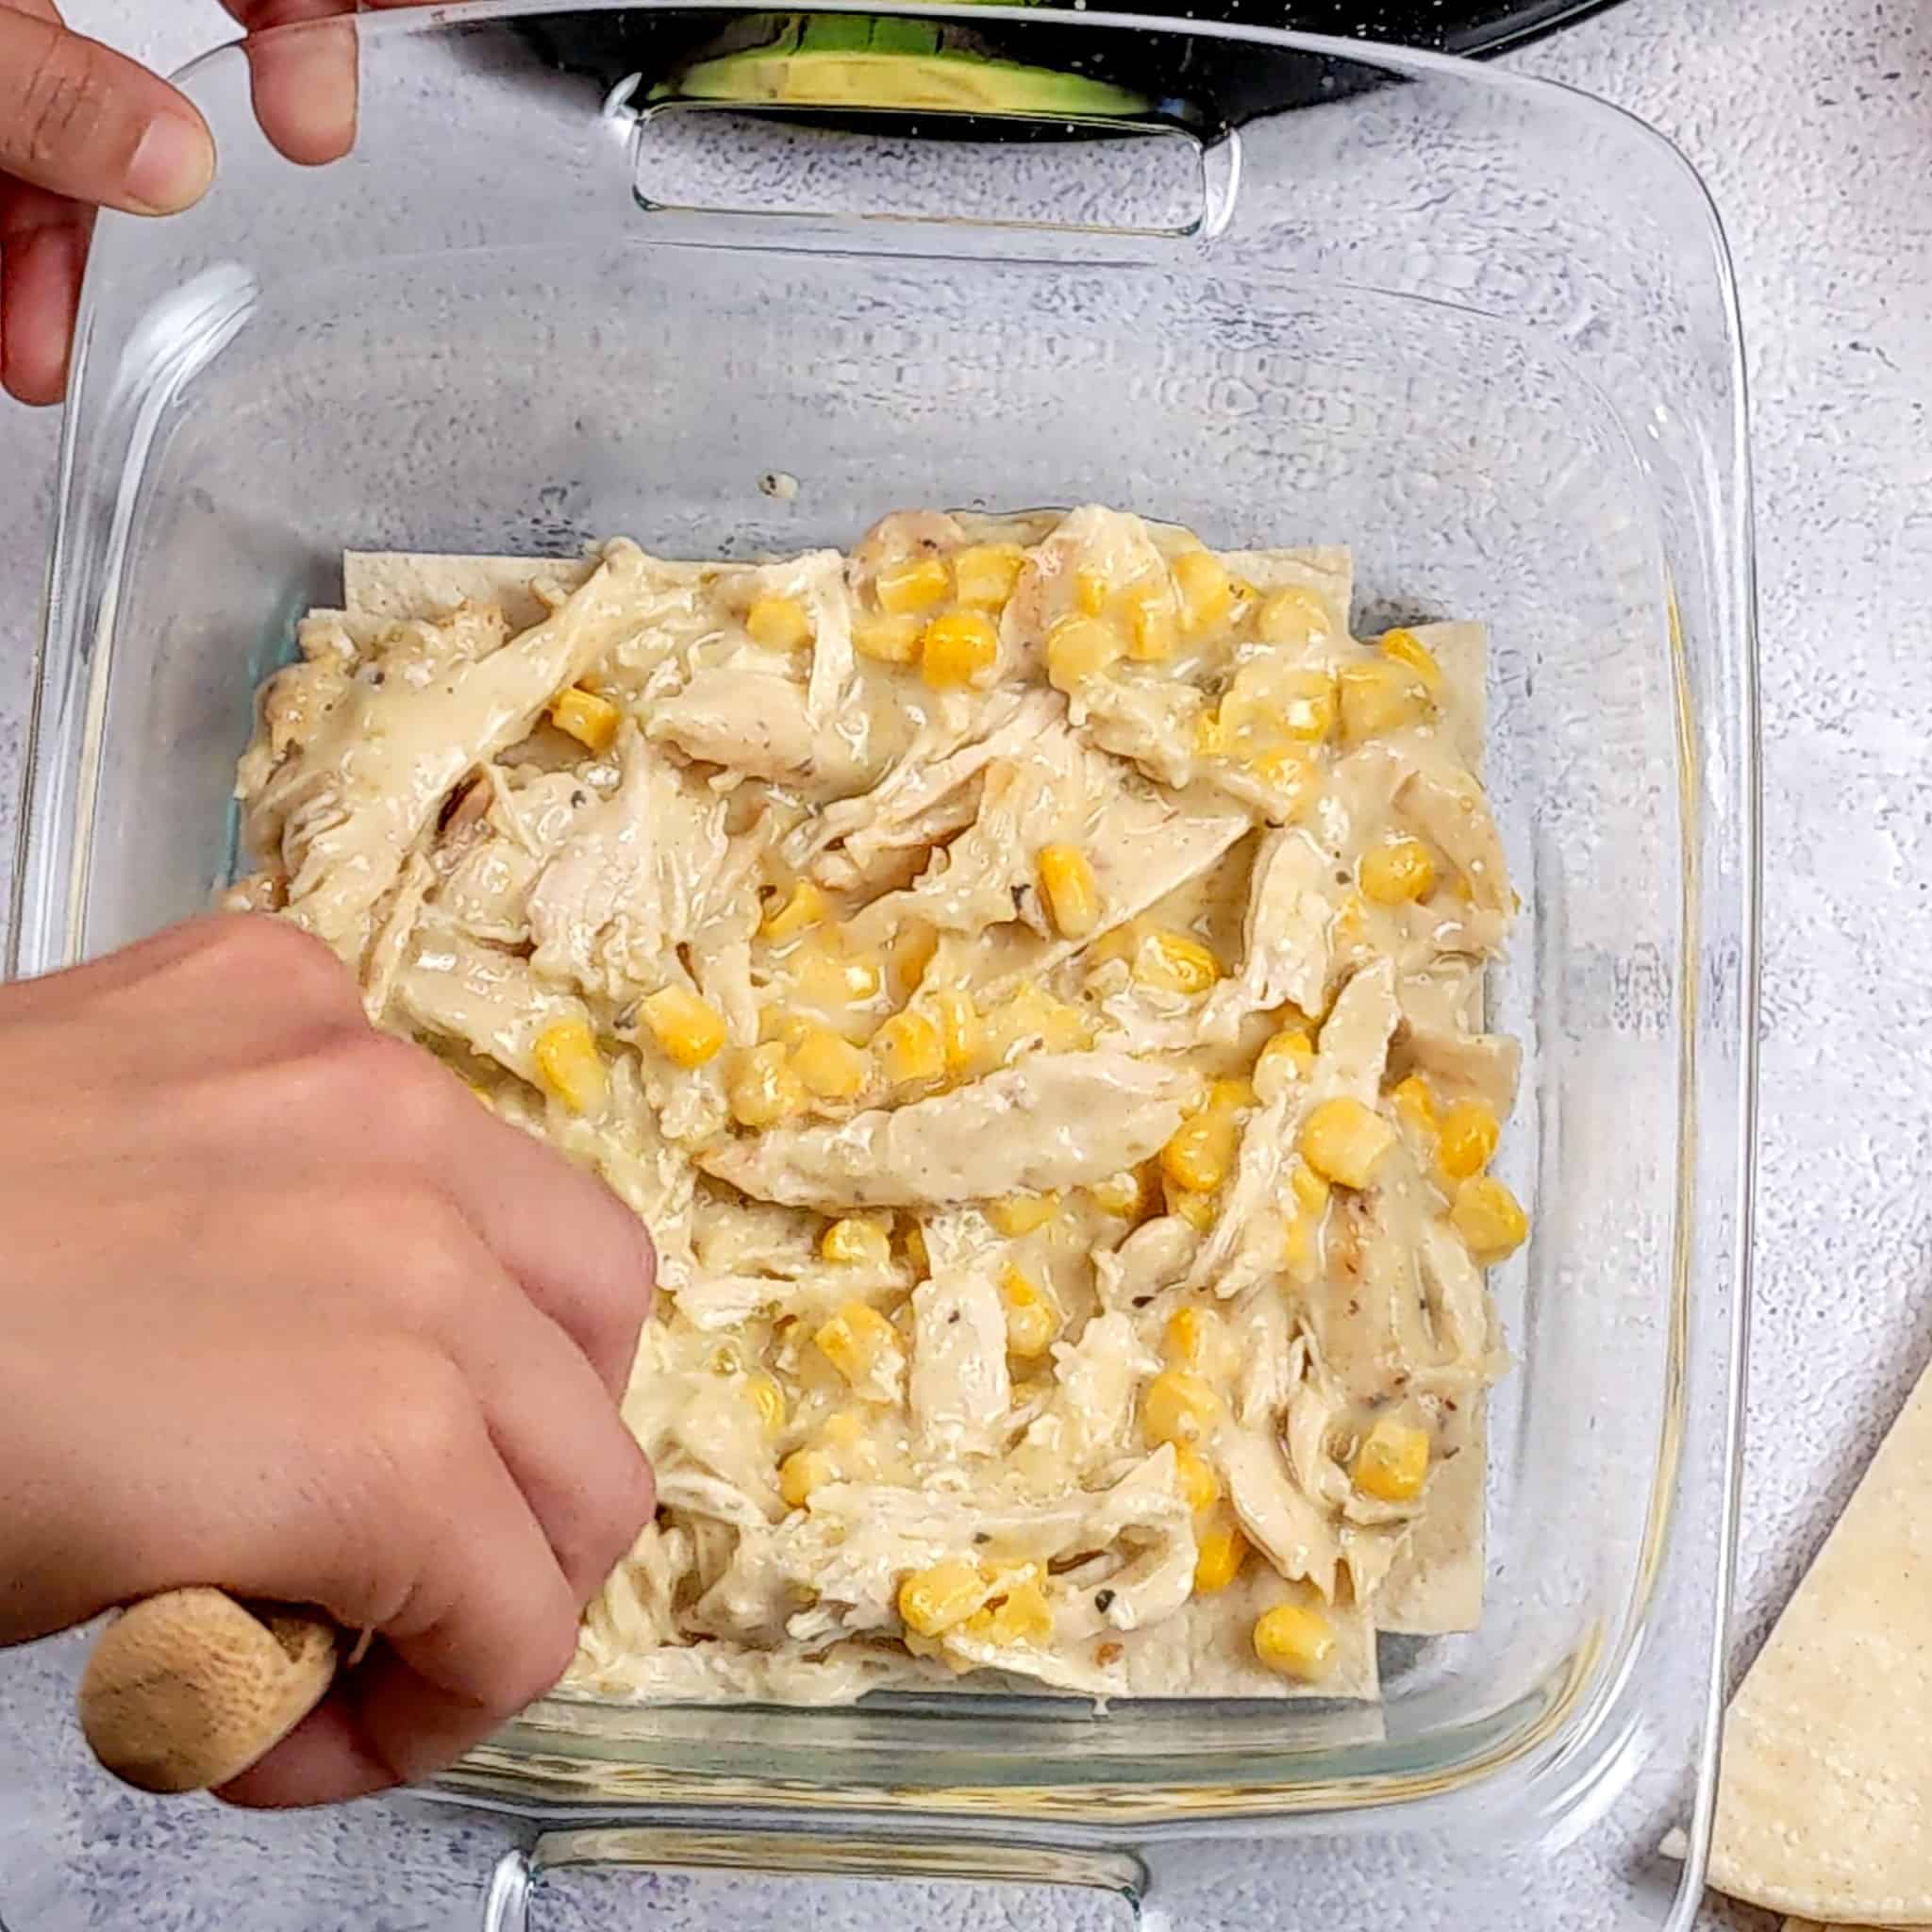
1026	971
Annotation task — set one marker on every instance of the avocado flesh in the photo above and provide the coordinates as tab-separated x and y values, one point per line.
902	65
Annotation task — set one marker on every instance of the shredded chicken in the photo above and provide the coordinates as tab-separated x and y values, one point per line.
960	1389
927	795
1449	807
345	806
1284	938
1048	1052
1053	1120
757	724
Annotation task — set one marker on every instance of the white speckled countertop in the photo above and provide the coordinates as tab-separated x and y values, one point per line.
1811	121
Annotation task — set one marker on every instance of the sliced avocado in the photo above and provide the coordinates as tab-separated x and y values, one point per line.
905	65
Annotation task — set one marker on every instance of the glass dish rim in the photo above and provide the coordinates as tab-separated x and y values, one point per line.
374	29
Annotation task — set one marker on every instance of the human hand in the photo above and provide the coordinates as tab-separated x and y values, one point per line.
83	127
285	1310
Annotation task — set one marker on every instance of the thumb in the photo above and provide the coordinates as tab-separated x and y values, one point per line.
83	120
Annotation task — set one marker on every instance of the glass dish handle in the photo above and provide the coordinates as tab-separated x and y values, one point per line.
511	1905
1143	177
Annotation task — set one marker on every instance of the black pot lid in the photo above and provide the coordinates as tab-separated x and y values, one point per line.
954	72
1450	26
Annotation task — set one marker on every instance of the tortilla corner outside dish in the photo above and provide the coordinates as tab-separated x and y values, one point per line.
1824	1794
1812	1925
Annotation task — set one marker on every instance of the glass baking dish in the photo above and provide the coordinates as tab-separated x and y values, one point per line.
1281	289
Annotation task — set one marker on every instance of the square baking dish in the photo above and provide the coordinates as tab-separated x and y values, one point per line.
1280	289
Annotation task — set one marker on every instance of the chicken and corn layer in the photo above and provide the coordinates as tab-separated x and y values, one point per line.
1026	973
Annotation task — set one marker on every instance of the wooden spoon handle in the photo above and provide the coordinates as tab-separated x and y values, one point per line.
186	1689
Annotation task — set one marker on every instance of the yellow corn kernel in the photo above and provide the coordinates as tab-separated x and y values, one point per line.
917	583
1291	774
1152	630
1298	1247
1407	648
1218	1558
1119	1194
768	1399
1295	1639
1295	615
1178	1407
801	1473
1344	1142
1287	1055
1199	1486
783	1024
1023	1615
856	1242
1032	1321
1003	1571
1018	1289
1350	931
985	573
1187	1338
1267	700
1307	1188
1380	696
1018	1214
830	1064
1072	896
568	1065
961	1031
590	720
689	1029
1091	592
1399	871
854	1339
1210	741
1197	1210
907	1048
1415	1103
1175	963
864	974
1307	706
804	907
1032	1013
1490	1218
1153	637
1393	1462
1231	1093
1078	648
935	1600
960	649
1202	1150
778	622
888	640
1030	1331
915	1248
1469	1137
828	977
1207	596
912	953
846	1432
765	1090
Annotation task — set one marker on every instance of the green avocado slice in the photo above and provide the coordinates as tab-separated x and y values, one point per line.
906	65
